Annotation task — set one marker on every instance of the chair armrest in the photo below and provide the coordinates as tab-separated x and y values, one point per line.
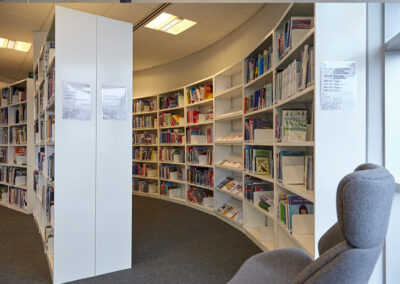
277	266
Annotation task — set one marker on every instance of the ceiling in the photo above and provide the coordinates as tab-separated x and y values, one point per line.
151	48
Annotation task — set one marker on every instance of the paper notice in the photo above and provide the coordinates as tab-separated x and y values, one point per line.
77	101
338	85
115	103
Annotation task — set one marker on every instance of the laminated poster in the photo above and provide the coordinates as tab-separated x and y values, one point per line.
115	103
77	101
338	85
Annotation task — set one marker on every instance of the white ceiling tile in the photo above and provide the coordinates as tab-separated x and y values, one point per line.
131	13
226	19
196	12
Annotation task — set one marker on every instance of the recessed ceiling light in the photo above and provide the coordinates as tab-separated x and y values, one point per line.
10	44
180	27
22	46
170	24
160	21
3	42
15	45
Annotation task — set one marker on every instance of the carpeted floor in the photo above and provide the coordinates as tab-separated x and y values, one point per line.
21	251
171	244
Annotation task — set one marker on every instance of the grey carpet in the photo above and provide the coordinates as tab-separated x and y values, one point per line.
21	251
171	244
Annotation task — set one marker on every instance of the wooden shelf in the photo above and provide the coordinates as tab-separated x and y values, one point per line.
259	79
236	196
266	109
230	91
200	103
262	177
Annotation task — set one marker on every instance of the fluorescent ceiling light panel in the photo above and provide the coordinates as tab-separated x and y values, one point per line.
10	44
181	26
3	42
160	21
22	46
170	25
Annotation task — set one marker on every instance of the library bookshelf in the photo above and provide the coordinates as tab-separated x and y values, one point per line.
233	88
16	146
79	189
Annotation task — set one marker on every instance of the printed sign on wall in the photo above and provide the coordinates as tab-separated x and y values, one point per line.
77	101
115	103
338	85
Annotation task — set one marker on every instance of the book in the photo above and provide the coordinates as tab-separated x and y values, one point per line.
171	100
259	63
144	105
200	176
199	93
261	98
197	195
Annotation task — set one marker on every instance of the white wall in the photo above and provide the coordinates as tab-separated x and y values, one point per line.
210	60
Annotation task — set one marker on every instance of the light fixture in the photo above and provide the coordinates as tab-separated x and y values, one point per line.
22	46
3	42
170	24
15	45
181	26
10	44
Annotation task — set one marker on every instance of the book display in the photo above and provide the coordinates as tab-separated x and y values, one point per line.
16	153
250	137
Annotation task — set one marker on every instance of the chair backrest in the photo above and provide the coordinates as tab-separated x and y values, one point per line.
350	249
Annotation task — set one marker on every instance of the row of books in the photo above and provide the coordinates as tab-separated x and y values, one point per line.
144	122
4	97
295	167
260	64
296	76
199	94
197	195
50	167
292	125
258	130
18	135
171	101
200	176
259	160
233	210
41	157
20	114
144	138
144	186
199	155
144	153
171	154
261	98
167	119
294	30
231	185
3	155
165	187
18	95
290	205
50	127
199	135
172	136
4	135
195	116
49	202
145	170
172	172
3	192
144	105
4	116
16	176
18	197
19	157
255	187
51	87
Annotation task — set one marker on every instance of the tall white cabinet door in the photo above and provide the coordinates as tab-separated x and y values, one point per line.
75	153
114	146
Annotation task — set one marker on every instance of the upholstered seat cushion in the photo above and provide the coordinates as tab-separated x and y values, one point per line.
278	266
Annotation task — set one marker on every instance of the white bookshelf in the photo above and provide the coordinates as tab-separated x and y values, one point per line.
76	205
17	155
336	141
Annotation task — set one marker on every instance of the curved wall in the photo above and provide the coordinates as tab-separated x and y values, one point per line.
224	53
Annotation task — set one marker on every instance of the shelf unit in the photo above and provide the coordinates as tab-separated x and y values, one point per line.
16	146
231	87
80	189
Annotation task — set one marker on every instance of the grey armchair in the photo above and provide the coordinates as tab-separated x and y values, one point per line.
348	250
